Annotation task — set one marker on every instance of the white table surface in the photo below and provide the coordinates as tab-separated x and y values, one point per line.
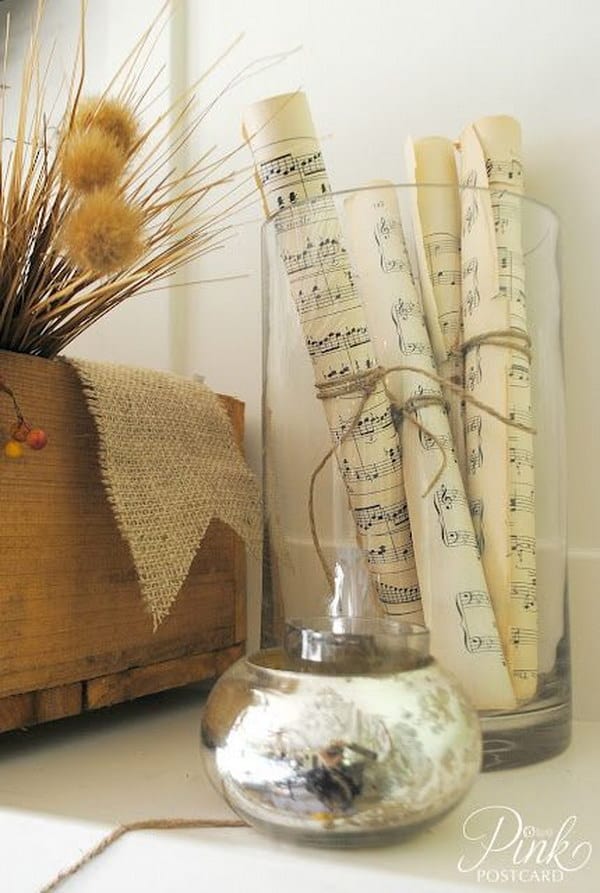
64	785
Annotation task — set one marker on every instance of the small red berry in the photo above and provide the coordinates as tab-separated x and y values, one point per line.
20	431
36	439
13	449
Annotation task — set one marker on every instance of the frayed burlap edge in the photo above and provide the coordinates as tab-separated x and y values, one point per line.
169	464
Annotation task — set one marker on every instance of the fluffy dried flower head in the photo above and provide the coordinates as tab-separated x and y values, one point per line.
103	234
112	117
91	160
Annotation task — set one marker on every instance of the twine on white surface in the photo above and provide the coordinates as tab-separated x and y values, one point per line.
142	825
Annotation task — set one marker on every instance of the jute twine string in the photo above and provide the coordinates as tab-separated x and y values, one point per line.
143	825
364	384
511	339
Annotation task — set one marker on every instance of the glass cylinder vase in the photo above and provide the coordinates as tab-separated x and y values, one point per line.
414	438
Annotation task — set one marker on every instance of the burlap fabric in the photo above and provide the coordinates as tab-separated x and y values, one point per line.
169	464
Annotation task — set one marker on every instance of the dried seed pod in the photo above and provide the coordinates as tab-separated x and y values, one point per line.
104	233
91	160
114	118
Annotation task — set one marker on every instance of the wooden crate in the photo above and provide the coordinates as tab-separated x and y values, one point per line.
74	634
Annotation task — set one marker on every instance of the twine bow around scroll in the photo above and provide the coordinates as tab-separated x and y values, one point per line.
364	383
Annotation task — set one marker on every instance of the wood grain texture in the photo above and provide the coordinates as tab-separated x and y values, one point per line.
32	707
70	605
139	681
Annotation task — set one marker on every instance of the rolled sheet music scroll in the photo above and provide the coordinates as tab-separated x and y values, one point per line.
500	459
289	169
464	635
436	227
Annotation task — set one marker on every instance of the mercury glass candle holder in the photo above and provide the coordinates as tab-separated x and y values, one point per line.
351	734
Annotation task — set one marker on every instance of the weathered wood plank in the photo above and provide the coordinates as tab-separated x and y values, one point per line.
141	681
33	707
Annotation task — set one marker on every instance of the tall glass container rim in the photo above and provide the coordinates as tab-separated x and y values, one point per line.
272	219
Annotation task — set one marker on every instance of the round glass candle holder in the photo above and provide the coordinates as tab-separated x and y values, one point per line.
297	437
349	735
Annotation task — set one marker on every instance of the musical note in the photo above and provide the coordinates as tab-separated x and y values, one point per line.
505	215
522	637
355	336
452	538
289	178
450	323
475	459
525	593
276	168
328	252
474	444
509	171
522	502
474	425
404	310
446	277
397	595
520	458
407	347
359	364
375	421
373	470
473	599
483	643
472	300
476	507
326	296
312	211
448	498
525	674
444	501
471	206
437	247
441	440
505	261
473	370
384	231
471	294
523	417
369	518
384	555
519	373
522	546
473	608
470	268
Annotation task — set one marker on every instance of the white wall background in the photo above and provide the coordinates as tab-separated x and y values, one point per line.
375	72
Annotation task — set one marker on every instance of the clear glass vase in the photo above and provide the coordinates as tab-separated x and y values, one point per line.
384	489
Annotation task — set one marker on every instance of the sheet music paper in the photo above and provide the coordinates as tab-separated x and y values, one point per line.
457	606
500	459
436	227
289	169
